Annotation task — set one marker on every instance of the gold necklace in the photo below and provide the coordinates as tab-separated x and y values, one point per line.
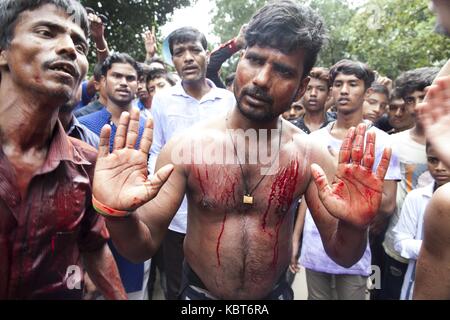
248	198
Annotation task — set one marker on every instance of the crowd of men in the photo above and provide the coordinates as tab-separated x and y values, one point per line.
222	189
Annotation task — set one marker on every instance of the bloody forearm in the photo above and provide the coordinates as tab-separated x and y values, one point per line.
103	271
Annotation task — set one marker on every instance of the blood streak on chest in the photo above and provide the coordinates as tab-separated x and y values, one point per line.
282	193
282	190
200	181
227	199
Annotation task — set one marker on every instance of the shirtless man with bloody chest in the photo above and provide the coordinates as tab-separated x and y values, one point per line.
240	216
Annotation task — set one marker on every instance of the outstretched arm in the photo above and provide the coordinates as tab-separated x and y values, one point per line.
343	210
432	275
434	114
121	183
98	36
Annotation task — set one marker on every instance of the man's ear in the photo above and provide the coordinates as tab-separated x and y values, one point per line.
3	58
302	87
368	93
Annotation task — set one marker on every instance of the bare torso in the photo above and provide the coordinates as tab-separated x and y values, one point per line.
238	250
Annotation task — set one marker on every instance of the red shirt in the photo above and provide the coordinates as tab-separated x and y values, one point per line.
41	236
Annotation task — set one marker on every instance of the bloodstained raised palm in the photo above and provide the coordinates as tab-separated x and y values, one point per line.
120	179
355	194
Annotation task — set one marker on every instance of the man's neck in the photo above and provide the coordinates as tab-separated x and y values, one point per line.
236	120
314	118
116	111
147	103
345	122
417	134
66	119
27	119
196	89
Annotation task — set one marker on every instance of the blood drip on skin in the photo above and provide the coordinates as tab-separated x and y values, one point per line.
220	236
282	190
228	199
199	177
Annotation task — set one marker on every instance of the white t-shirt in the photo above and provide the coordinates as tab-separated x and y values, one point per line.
408	233
415	174
313	255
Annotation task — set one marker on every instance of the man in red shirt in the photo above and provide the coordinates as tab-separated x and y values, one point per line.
47	223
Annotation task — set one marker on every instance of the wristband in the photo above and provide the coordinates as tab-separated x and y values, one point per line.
107	211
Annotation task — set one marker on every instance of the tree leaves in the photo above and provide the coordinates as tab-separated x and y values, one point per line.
392	36
128	19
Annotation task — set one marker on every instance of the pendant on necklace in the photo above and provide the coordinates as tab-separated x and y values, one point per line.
248	199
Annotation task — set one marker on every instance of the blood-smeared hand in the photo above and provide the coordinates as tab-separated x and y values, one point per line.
355	194
120	179
434	114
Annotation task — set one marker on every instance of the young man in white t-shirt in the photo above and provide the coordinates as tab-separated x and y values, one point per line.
325	279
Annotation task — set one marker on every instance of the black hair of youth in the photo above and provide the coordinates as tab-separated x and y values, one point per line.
415	80
160	73
356	68
379	88
118	57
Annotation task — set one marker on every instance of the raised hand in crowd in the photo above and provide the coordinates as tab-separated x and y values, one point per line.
97	28
434	114
150	44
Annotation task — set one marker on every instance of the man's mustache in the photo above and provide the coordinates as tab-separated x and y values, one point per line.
257	93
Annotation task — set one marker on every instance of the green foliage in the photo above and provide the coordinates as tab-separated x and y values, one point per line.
336	14
228	19
393	36
232	14
390	35
129	18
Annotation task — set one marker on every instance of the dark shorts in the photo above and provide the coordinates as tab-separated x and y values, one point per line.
192	288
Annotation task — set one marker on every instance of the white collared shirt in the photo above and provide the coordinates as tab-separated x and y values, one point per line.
408	233
174	111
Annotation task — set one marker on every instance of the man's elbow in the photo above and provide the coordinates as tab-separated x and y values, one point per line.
134	255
